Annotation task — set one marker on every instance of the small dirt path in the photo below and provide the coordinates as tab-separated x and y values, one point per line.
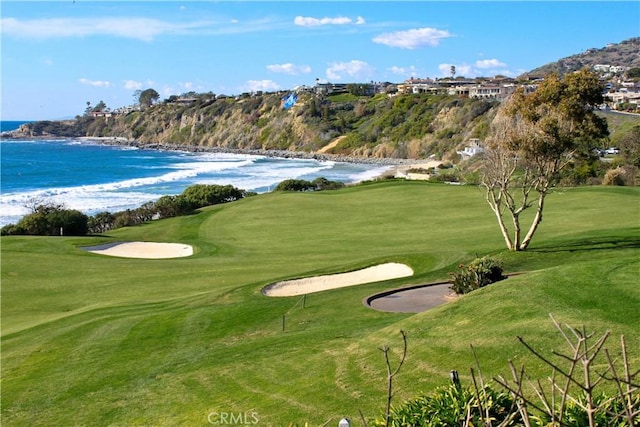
330	145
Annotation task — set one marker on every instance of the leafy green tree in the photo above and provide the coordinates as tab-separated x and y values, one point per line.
171	206
201	195
629	145
101	222
322	183
633	73
100	106
147	97
53	220
533	137
295	185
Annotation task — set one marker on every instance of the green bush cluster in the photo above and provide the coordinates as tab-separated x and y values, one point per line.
480	272
454	405
605	414
457	406
317	184
50	220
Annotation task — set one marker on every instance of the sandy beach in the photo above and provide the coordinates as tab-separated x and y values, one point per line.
333	281
148	250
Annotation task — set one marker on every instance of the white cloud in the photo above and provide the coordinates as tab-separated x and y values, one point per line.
289	68
145	29
404	71
462	70
187	85
132	85
355	69
307	21
486	68
96	83
490	63
261	85
167	90
412	39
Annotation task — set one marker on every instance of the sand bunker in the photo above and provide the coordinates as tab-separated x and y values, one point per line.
308	285
143	250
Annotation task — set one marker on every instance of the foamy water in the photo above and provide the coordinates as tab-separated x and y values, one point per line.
94	178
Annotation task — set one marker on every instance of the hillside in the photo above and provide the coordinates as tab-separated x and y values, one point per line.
412	126
625	54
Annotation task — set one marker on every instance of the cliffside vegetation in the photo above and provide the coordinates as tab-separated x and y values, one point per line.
625	53
404	126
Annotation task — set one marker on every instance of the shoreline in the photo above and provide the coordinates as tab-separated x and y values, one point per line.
284	154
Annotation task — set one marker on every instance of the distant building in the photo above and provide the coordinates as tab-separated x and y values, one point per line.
474	148
331	88
100	114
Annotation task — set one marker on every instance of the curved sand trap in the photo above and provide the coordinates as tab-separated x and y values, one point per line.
412	299
308	285
143	250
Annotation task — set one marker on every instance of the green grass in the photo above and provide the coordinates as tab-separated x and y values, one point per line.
96	340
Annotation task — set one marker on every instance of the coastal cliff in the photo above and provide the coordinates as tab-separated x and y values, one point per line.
379	127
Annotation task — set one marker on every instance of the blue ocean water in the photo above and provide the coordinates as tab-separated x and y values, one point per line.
8	125
92	177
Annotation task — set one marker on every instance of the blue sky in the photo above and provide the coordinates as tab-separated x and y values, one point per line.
58	55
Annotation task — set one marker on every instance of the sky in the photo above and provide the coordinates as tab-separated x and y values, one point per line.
56	56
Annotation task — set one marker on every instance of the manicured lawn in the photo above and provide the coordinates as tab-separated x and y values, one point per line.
96	340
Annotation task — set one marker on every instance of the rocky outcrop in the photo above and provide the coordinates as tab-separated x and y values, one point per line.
402	127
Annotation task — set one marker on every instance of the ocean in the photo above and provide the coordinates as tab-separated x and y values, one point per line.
93	177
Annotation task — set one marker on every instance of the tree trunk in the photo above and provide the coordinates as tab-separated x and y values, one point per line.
495	207
505	232
516	232
534	225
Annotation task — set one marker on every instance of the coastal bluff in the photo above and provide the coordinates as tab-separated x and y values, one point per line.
380	129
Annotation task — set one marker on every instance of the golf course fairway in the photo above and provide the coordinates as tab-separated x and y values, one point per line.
89	339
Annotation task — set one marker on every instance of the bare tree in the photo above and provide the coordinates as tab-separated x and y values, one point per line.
392	373
574	380
533	137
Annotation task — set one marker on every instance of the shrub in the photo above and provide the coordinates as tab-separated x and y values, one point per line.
200	195
322	183
607	413
101	222
171	206
51	220
453	405
614	177
480	272
317	184
295	185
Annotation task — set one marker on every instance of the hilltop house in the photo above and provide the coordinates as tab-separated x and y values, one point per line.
472	149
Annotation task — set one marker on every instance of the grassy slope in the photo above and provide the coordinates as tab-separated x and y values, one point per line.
95	340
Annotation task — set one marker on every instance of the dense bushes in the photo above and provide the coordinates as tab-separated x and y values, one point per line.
201	195
453	405
50	220
480	272
317	184
192	198
589	386
53	220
